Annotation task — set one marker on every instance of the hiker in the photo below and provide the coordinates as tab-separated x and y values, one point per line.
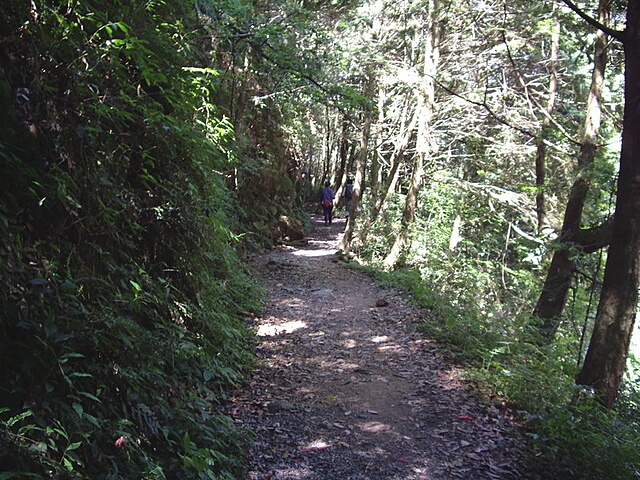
347	194
327	203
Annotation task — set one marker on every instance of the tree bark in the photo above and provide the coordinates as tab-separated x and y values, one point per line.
608	349
560	274
376	170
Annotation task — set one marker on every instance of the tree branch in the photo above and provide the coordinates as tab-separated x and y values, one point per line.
488	109
532	101
617	34
590	240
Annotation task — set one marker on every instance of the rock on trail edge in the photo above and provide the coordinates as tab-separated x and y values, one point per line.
346	388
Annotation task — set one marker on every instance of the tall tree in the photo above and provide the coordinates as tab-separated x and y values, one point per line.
400	145
541	149
370	85
358	183
573	238
425	94
606	356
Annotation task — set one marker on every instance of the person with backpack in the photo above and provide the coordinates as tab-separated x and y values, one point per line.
327	197
347	194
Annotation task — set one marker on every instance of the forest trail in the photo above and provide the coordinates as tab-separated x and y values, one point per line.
348	389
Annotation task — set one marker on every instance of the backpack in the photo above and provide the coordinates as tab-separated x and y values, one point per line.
348	191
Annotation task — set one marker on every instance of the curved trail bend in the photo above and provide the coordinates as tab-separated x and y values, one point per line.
347	389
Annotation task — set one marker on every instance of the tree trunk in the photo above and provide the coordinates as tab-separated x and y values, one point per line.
343	165
560	274
455	236
398	250
424	112
344	149
358	183
607	354
375	176
401	145
541	152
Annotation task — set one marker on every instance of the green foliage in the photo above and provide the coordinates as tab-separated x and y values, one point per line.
141	141
120	333
477	303
583	440
507	362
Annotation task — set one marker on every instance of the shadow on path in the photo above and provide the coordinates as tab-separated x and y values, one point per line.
346	389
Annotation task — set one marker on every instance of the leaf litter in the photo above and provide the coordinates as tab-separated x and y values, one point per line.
347	388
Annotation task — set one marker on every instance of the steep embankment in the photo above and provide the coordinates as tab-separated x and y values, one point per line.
347	388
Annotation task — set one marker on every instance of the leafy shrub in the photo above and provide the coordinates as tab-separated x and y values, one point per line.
504	357
120	330
583	440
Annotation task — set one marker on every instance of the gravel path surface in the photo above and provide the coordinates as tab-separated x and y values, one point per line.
348	389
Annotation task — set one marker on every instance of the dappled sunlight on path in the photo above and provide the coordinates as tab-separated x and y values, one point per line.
347	389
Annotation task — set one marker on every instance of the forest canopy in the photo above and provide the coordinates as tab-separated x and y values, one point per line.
146	147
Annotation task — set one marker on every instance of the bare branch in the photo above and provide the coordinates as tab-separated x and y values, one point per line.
617	34
488	109
532	101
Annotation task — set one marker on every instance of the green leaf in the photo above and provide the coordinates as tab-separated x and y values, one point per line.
13	420
78	408
91	419
74	446
89	395
8	475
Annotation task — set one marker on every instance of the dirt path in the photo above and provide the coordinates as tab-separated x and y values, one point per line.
348	389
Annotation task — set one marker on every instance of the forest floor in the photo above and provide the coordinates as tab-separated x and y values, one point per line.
346	387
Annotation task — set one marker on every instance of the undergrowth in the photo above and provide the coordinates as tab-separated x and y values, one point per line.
570	434
122	295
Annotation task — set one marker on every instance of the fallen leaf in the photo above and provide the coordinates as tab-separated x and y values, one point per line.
314	449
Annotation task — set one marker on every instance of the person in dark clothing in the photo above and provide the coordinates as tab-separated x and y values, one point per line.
347	193
327	203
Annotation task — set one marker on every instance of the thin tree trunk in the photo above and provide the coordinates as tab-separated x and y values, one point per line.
455	236
397	253
541	152
560	274
343	167
358	183
401	145
424	111
374	177
609	346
